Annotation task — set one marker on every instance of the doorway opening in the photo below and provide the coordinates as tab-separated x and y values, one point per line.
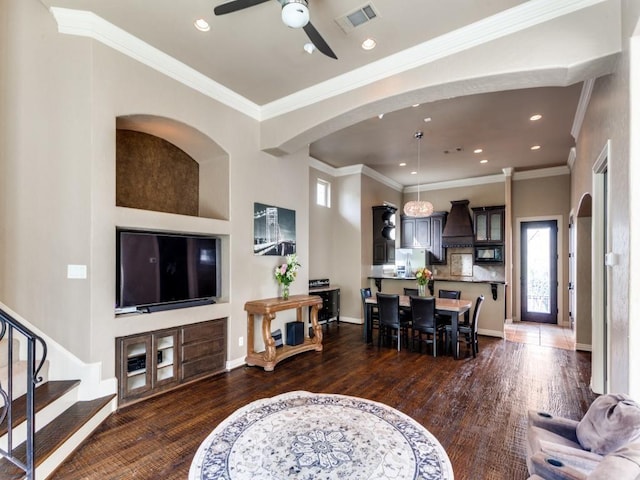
539	271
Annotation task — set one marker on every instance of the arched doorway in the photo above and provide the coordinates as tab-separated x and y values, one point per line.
582	287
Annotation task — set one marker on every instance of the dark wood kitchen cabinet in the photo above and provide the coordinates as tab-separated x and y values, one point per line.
488	225
384	235
437	253
425	232
415	232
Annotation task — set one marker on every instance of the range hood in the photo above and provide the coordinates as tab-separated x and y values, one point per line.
458	231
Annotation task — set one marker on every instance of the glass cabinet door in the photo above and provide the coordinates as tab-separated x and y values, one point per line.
164	344
495	227
481	227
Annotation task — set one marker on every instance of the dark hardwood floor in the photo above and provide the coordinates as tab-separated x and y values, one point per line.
475	407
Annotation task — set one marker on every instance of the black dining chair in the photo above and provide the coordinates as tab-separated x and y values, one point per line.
390	320
443	320
455	294
468	332
405	315
423	311
366	293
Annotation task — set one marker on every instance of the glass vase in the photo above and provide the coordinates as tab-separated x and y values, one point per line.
284	291
422	290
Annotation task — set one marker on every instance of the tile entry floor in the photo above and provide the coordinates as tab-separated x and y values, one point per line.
544	334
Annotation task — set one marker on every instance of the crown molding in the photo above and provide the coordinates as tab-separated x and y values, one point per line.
581	109
542	173
571	160
359	169
464	182
88	24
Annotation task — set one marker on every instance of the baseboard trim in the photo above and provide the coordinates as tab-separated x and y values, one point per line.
356	321
583	347
490	333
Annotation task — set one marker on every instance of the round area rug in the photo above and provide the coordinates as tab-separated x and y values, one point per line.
305	436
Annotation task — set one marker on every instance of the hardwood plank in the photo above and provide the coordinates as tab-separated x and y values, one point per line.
475	407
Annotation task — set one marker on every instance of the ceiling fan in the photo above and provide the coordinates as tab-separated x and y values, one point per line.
295	14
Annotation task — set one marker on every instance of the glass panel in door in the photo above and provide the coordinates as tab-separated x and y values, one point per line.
539	272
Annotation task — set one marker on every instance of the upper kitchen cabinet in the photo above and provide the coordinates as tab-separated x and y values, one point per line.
437	253
488	225
384	235
415	232
425	232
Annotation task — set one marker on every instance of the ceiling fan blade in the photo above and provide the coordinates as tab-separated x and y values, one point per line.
236	5
318	41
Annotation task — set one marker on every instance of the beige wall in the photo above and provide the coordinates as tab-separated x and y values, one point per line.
541	199
65	93
607	118
322	222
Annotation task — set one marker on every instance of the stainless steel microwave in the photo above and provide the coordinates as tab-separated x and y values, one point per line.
489	254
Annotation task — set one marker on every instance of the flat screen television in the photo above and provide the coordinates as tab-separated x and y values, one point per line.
159	270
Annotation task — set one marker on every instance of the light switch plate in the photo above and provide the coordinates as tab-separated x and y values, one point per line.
76	271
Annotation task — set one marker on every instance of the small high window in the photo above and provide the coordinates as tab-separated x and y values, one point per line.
323	193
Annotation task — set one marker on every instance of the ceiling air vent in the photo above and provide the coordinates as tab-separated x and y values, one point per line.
357	17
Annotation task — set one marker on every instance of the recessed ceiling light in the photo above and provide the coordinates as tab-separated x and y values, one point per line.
484	161
380	116
535	117
369	44
535	147
427	120
477	150
309	47
202	25
403	164
414	173
415	105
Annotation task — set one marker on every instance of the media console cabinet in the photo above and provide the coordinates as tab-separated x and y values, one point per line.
268	308
152	362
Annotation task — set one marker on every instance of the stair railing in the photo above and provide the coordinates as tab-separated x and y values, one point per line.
9	327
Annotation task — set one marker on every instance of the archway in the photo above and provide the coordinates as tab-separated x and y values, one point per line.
583	274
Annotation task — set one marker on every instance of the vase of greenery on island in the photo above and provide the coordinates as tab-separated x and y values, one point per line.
286	273
423	275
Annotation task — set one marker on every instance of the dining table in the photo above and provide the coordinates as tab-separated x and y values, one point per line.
448	307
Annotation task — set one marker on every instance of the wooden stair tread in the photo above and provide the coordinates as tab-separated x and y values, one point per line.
54	434
45	395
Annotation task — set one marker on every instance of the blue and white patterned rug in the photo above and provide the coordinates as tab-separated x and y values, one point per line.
305	436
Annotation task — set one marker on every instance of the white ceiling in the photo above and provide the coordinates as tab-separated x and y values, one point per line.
252	53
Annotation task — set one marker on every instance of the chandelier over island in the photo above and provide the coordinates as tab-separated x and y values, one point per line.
418	208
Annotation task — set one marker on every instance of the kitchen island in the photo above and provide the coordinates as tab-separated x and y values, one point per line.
492	314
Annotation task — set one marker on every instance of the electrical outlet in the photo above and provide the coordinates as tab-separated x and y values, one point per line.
241	341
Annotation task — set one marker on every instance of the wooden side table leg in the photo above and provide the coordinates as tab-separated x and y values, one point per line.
317	329
269	342
250	342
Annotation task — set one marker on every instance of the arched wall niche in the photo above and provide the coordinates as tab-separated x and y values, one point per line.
212	161
583	274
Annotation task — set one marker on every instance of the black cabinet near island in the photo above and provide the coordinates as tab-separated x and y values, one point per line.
425	232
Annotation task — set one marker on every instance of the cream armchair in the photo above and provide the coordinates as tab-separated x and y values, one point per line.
605	444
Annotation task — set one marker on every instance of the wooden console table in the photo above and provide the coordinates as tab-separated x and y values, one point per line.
268	309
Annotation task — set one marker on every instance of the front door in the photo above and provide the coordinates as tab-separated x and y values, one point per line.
539	257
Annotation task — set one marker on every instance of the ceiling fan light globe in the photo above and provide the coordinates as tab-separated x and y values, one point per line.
295	14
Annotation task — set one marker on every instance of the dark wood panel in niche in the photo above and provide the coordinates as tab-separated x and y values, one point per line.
153	174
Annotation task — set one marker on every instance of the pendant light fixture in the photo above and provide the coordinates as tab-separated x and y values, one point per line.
418	208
